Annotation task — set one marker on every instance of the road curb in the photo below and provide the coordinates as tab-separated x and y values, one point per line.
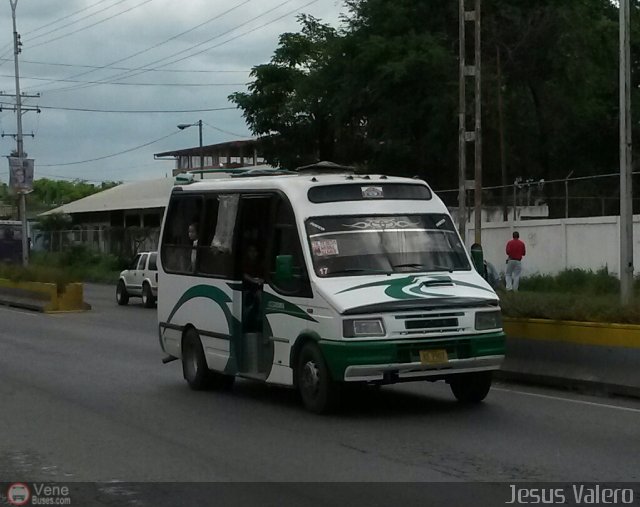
43	297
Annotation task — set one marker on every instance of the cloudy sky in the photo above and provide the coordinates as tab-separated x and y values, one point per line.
136	58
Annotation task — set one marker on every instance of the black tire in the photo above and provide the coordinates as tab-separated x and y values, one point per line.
194	366
122	296
148	299
319	392
471	387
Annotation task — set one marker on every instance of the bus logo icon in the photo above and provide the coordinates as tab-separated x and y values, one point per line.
18	494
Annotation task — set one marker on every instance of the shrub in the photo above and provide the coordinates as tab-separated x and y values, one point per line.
83	263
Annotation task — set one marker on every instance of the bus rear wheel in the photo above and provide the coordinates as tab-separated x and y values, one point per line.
194	366
319	393
471	387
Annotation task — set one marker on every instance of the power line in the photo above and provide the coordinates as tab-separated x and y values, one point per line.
242	34
213	18
218	16
226	131
121	83
76	21
53	23
138	72
181	71
236	36
112	155
129	111
90	26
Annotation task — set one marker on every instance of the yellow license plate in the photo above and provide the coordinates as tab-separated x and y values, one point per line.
438	356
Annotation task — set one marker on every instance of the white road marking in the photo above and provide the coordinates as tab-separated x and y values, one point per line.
560	398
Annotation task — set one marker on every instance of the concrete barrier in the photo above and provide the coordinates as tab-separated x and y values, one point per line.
43	297
601	357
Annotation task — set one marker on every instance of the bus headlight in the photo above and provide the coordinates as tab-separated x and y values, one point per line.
488	320
353	328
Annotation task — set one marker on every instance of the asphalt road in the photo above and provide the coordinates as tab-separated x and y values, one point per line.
85	397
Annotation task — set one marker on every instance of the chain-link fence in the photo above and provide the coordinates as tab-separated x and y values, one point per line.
119	241
570	197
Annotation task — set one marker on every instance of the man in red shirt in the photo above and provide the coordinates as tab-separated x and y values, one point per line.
515	252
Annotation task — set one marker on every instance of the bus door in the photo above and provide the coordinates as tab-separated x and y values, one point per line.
253	238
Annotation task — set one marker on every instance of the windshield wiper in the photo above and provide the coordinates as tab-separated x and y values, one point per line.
422	267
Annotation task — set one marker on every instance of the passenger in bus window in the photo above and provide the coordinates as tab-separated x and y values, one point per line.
193	239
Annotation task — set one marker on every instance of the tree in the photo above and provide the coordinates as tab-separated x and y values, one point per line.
286	104
382	91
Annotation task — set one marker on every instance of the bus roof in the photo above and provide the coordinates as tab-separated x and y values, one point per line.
370	189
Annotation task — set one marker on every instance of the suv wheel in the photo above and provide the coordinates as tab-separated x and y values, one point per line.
122	296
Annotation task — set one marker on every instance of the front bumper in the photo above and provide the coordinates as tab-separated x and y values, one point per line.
415	371
399	360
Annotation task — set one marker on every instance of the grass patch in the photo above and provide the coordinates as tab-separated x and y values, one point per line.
555	306
574	294
573	281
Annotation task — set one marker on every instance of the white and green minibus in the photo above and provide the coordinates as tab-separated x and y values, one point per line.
320	278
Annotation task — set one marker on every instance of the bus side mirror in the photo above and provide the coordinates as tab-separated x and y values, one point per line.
284	268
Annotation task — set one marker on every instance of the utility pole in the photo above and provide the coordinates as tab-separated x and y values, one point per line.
475	135
626	201
503	157
477	199
462	125
201	152
19	141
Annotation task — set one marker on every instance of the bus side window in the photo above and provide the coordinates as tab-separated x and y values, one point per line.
286	241
177	248
215	251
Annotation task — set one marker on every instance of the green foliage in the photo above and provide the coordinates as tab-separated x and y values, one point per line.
573	281
81	263
51	193
77	264
54	222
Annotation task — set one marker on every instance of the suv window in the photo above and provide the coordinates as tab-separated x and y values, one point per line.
153	262
142	262
134	264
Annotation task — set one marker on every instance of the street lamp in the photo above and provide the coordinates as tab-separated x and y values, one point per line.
183	126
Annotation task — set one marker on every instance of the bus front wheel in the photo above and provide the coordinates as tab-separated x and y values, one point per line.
471	387
319	393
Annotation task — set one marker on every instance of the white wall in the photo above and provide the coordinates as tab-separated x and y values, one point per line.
555	245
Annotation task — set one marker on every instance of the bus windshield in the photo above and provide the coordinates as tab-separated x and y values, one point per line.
361	245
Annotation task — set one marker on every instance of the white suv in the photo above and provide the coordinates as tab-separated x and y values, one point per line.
141	279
